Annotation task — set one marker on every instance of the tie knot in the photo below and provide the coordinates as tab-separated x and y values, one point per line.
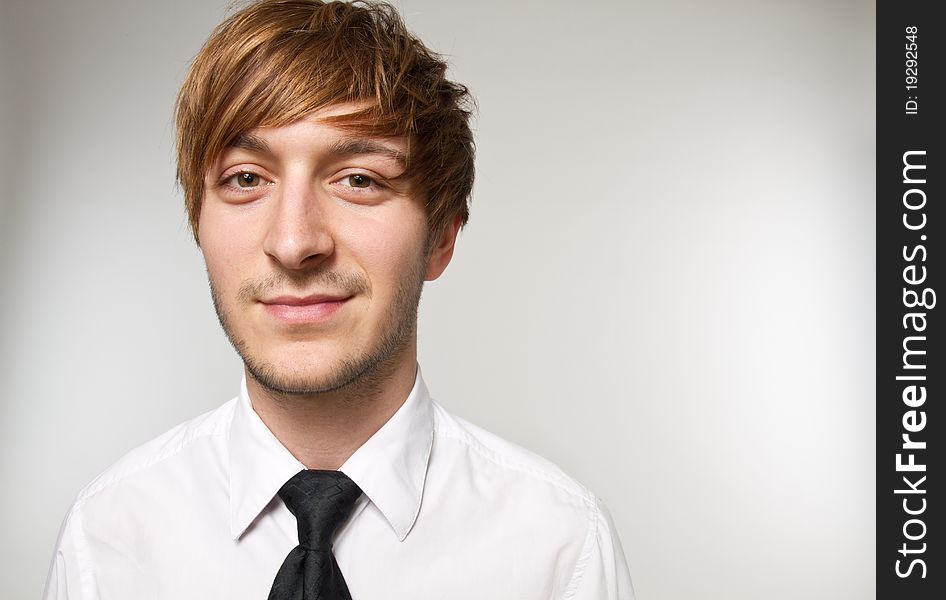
321	501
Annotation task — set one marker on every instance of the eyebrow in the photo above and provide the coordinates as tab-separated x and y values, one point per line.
355	146
342	147
248	141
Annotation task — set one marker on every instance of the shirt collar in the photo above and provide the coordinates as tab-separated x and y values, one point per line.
390	467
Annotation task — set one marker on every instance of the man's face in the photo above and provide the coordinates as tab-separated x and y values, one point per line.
316	255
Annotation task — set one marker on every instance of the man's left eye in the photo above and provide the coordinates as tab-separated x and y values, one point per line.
360	181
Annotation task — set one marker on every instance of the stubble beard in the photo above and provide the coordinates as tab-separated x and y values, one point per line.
357	374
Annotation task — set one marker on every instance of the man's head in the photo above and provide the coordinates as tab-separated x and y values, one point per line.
326	163
276	61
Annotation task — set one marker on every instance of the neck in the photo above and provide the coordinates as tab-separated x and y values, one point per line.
323	430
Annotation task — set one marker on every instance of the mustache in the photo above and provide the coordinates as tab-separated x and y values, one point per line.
323	280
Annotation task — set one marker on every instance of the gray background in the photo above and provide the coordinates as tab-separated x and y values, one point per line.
666	286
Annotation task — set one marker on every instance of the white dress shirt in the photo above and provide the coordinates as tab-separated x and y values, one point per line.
449	512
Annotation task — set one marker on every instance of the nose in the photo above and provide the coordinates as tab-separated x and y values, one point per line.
298	235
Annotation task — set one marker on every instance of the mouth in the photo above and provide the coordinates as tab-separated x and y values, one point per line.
304	309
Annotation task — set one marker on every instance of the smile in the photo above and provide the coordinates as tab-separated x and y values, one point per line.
309	309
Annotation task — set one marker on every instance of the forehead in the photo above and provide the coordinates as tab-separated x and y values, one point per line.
334	129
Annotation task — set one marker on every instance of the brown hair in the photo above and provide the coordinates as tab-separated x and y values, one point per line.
275	61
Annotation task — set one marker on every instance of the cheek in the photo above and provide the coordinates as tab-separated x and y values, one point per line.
222	250
390	247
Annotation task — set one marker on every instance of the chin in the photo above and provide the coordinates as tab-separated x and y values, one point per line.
296	379
307	377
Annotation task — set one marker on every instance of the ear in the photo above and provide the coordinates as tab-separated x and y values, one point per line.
442	252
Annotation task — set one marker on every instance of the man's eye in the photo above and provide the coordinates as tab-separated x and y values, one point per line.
247	180
359	181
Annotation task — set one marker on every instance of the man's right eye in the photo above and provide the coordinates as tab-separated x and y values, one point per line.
246	180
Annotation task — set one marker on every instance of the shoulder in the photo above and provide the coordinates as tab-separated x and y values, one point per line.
506	459
501	480
183	443
496	487
119	514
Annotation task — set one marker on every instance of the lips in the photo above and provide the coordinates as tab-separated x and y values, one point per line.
307	309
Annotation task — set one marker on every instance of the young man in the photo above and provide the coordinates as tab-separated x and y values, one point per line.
327	163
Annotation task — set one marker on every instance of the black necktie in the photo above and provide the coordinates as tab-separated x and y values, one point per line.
321	501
